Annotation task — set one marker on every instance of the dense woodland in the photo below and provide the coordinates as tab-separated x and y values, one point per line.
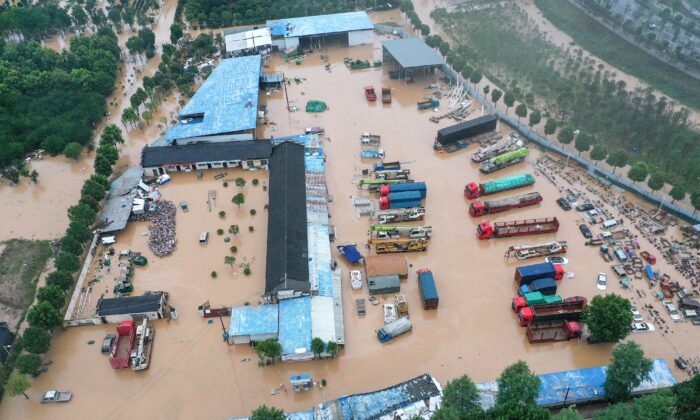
573	91
219	13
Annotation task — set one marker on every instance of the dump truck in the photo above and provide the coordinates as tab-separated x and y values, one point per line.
503	146
394	329
487	230
122	345
370	94
530	299
558	330
396	232
480	208
400	200
524	252
400	215
473	190
407	186
545	286
503	161
387	166
570	310
526	274
465	130
386	95
383	246
427	288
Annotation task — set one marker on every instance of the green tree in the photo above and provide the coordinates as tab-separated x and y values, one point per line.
44	315
148	116
73	150
517	384
67	262
332	348
28	364
267	413
238	199
130	116
598	153
638	172
476	76
617	159
229	260
687	404
535	118
108	151
79	16
36	340
508	100
568	413
461	397
695	200
317	346
268	350
82	213
53	295
521	111
487	89
628	368
78	231
583	143
175	32
656	406
62	279
608	318
566	135
103	166
657	180
17	384
496	96
135	45
549	127
240	182
677	193
234	230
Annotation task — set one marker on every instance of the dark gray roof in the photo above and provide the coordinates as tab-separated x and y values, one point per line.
205	152
287	248
412	52
130	305
126	182
115	213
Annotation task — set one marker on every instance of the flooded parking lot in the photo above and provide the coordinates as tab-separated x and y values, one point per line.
194	374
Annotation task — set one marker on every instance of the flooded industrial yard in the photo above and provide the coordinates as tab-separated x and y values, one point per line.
194	374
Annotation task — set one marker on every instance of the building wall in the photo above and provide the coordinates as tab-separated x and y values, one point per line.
360	37
278	44
291	43
116	319
246	164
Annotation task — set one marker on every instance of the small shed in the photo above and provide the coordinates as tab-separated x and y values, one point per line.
409	56
384	265
380	285
254	323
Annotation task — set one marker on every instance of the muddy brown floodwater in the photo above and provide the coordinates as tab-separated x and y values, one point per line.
195	375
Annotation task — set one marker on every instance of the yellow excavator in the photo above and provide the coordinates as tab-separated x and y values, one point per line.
384	246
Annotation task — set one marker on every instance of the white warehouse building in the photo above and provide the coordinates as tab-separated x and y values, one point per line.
353	28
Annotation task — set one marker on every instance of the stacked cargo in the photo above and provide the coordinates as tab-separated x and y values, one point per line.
404	195
428	290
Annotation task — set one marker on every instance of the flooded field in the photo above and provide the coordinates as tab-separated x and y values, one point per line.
194	374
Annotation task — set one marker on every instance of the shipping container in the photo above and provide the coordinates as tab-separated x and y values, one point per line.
525	274
466	129
428	290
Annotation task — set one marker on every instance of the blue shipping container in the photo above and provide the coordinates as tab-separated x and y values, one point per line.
428	290
547	287
527	273
404	204
405	196
409	186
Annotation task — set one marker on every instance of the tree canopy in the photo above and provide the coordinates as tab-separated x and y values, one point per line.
608	317
626	371
267	413
461	397
517	384
638	172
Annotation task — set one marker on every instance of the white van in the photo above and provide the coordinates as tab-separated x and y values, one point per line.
609	223
203	238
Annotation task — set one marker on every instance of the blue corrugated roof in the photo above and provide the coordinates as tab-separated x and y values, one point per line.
250	320
580	385
319	25
228	99
295	324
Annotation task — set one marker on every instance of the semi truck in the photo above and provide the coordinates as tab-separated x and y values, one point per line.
570	309
546	286
396	232
374	185
503	161
528	273
400	215
400	200
488	230
503	146
480	208
534	298
392	174
121	346
386	246
427	288
407	186
473	190
394	329
524	252
558	330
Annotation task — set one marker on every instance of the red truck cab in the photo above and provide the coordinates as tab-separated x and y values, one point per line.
477	208
472	190
484	230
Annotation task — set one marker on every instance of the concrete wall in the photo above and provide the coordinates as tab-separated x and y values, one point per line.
116	319
75	298
291	43
360	37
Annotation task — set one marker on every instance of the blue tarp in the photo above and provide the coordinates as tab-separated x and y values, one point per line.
580	386
252	320
295	324
319	25
649	272
228	100
350	253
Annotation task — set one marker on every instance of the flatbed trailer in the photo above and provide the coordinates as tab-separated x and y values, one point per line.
524	252
397	232
560	330
481	208
386	246
141	353
503	146
488	230
400	215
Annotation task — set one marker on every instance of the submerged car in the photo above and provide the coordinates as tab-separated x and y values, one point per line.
602	282
107	343
672	311
636	316
557	260
564	203
585	231
642	327
585	207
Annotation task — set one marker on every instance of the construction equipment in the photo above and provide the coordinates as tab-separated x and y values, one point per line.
402	174
401	305
487	230
503	161
473	190
397	232
428	104
523	252
400	215
370	139
480	208
503	146
383	246
141	353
